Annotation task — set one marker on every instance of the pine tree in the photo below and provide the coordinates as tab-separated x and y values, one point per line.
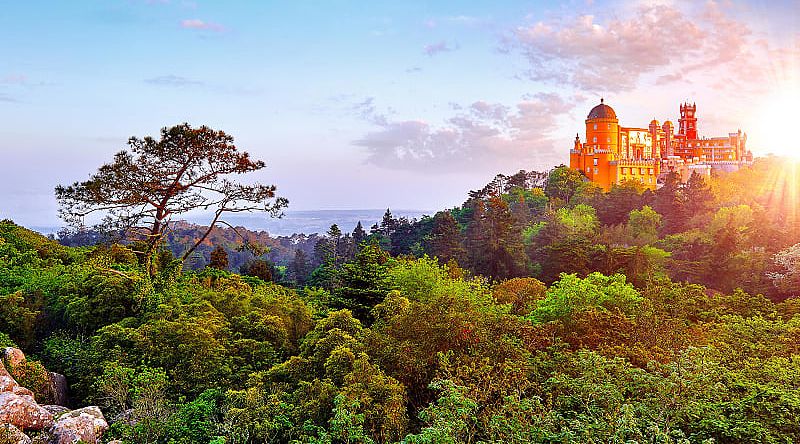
475	237
365	282
261	269
504	248
300	267
444	241
358	236
386	229
697	195
335	236
669	203
219	258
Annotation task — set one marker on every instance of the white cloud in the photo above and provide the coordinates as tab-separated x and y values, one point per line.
201	25
438	47
173	80
665	42
483	136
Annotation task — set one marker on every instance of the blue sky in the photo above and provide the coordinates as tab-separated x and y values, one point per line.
372	104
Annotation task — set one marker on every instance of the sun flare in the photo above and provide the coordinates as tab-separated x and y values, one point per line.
777	118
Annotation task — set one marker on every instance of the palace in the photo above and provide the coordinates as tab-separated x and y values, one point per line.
613	154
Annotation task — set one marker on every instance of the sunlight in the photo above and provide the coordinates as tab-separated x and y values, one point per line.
777	118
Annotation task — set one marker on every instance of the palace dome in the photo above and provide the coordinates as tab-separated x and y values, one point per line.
602	111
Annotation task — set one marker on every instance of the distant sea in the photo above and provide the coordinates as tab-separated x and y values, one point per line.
296	222
313	221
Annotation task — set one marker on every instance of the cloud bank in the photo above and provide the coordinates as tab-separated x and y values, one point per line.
480	137
437	48
173	80
201	25
664	41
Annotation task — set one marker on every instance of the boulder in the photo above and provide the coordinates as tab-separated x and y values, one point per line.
56	410
13	356
87	425
21	391
58	388
7	383
12	435
23	412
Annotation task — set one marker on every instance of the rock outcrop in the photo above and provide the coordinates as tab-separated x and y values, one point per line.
13	356
12	435
23	412
83	425
58	388
56	410
20	412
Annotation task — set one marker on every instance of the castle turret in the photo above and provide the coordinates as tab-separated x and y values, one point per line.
602	129
669	131
688	121
657	137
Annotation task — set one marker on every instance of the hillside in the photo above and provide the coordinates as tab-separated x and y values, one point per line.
637	326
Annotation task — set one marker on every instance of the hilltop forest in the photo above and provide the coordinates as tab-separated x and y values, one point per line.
543	309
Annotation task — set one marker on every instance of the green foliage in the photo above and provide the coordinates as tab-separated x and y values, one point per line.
571	295
579	316
564	183
5	341
365	281
197	421
644	225
580	220
450	420
522	293
33	376
18	316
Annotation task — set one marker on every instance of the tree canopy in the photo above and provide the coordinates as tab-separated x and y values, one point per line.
156	180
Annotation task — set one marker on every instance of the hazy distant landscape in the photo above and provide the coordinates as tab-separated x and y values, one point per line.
297	222
315	221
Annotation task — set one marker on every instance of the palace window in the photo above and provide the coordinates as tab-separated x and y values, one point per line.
625	170
595	161
595	126
641	170
609	126
594	139
608	140
650	171
595	170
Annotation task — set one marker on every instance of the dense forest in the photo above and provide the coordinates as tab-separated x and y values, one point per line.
541	310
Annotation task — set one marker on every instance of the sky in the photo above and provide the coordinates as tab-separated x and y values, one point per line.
401	104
